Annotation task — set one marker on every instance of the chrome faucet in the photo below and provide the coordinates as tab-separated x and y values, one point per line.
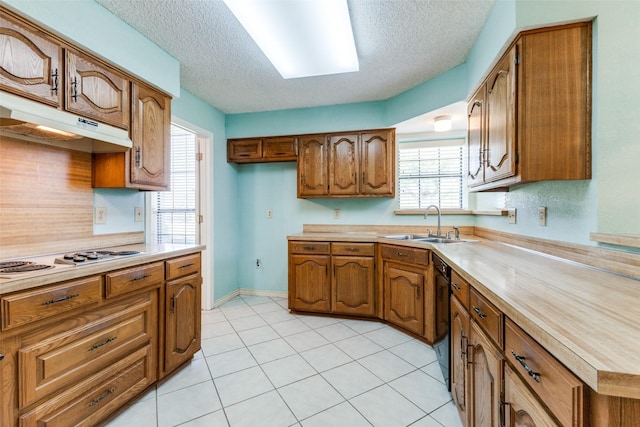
426	214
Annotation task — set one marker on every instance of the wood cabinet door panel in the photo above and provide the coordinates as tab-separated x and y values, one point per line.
244	150
403	298
344	165
476	137
485	376
501	127
133	279
310	282
95	91
280	148
460	321
182	320
313	171
31	62
378	177
150	155
353	285
522	408
182	266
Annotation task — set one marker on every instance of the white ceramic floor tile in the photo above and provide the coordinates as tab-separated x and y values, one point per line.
302	403
248	322
258	335
287	370
387	337
386	365
433	369
266	409
351	379
214	419
275	317
255	299
384	407
216	329
237	311
306	341
212	316
290	327
230	361
192	373
142	413
267	307
415	352
318	321
187	403
426	421
336	332
239	386
326	357
358	346
341	415
363	326
221	344
284	302
236	301
427	393
447	415
271	350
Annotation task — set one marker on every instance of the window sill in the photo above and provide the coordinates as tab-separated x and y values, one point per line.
497	212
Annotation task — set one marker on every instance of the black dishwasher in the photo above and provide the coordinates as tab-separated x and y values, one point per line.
441	280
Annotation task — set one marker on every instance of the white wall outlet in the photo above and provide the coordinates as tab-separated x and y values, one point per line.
542	216
258	263
269	213
336	213
100	215
511	215
138	214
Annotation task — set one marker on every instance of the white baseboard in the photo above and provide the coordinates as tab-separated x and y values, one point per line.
253	292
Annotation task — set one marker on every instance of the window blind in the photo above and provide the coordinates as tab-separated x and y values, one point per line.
430	173
175	210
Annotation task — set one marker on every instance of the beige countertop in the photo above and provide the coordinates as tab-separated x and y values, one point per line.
589	319
148	253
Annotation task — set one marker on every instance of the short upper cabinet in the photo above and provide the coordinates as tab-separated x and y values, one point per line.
182	310
31	64
354	164
262	150
530	120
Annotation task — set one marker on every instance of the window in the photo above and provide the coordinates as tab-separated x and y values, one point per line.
430	173
175	210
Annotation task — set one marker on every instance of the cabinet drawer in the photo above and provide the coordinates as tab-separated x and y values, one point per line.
460	288
299	247
345	248
406	254
283	148
97	396
561	391
50	361
183	266
131	279
29	306
487	316
244	150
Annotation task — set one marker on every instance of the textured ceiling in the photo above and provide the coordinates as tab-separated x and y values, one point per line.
400	43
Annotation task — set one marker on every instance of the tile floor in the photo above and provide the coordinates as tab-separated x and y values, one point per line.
262	366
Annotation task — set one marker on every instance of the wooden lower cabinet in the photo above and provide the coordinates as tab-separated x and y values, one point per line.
353	285
522	409
485	379
310	283
403	296
459	338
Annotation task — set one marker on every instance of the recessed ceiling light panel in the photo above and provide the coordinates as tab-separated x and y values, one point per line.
301	38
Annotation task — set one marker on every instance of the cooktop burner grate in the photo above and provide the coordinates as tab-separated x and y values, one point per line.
8	264
22	267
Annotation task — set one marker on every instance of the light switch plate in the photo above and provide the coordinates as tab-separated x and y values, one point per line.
511	215
138	214
542	216
100	215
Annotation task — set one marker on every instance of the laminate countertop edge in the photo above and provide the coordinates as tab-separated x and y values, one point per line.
582	315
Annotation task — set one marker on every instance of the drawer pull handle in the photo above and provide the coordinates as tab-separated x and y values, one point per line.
401	253
102	396
64	298
100	344
309	247
352	249
74	89
137	279
456	286
54	89
173	303
477	310
186	265
521	359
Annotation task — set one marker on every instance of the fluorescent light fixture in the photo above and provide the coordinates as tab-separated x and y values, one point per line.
301	38
442	124
58	131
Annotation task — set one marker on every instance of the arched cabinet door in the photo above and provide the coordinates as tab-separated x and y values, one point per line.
182	311
31	62
522	409
96	91
485	376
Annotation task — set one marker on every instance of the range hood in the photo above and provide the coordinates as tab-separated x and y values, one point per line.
29	120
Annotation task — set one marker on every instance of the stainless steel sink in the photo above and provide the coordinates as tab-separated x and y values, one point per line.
427	239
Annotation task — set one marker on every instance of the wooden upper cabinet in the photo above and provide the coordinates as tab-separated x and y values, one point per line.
312	166
530	120
344	165
31	62
96	91
150	134
378	163
262	150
